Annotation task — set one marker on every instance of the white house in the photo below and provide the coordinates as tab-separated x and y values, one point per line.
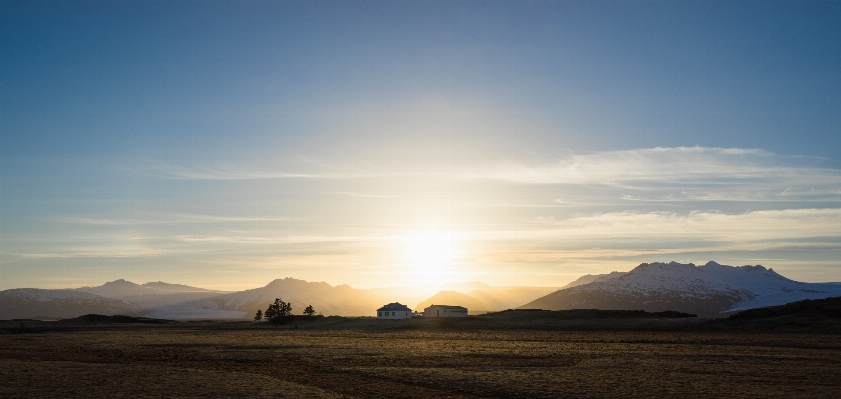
445	311
394	311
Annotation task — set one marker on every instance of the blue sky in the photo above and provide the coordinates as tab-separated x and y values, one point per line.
225	144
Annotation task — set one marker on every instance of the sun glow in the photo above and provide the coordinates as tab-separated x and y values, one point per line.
431	255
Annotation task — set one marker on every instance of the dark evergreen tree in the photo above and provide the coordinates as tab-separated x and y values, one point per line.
271	312
259	316
309	311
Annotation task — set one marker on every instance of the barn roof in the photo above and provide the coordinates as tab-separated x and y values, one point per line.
449	306
395	306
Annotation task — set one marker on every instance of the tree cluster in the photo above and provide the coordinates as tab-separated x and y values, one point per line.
278	310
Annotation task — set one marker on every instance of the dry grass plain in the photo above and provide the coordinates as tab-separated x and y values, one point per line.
240	361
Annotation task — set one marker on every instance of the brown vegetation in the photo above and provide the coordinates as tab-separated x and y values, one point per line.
216	359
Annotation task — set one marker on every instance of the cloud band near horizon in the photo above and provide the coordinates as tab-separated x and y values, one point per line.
343	221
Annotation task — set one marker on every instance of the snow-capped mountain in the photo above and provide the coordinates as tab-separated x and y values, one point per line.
708	290
22	303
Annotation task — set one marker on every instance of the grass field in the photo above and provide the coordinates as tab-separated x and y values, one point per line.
237	360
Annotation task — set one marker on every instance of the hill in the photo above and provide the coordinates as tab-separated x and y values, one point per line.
829	307
814	316
103	319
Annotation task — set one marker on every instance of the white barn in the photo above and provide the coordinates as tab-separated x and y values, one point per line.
445	311
394	311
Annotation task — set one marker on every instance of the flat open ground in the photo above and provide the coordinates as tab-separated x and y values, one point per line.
237	360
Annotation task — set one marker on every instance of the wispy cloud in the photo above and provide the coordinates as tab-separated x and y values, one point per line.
757	229
653	174
95	252
360	195
240	172
588	210
289	239
681	174
166	218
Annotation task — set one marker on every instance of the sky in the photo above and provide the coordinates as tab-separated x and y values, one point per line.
415	143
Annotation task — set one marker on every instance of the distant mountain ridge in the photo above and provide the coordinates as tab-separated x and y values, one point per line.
152	294
119	297
709	290
122	288
21	303
326	299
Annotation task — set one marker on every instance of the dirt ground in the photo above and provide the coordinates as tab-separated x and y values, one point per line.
158	361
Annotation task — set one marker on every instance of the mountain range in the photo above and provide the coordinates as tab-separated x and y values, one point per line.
711	290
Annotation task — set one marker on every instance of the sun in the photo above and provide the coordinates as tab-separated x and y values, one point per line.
430	254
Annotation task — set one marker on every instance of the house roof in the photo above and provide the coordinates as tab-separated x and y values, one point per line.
395	306
448	307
